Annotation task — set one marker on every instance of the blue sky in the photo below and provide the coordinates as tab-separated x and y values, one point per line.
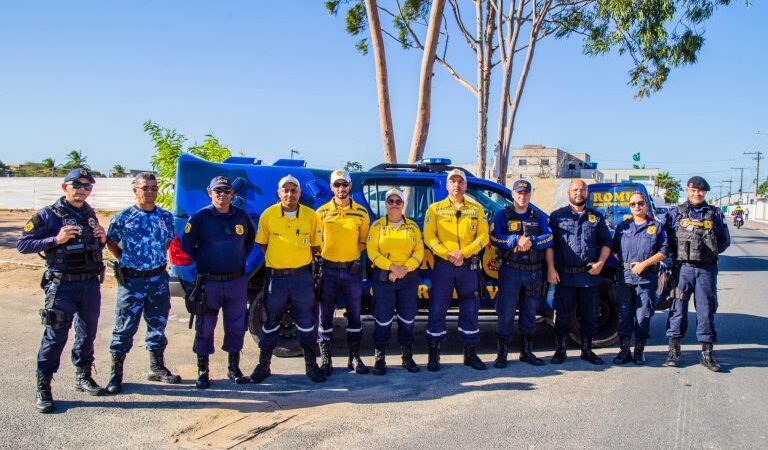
266	77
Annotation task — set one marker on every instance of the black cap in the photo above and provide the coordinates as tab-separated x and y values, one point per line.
521	185
217	182
78	172
698	182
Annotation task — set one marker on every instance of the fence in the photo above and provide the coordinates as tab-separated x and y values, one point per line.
110	194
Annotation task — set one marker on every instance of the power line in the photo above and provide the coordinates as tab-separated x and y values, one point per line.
758	157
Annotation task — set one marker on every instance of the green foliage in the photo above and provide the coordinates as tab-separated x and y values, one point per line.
169	145
761	190
353	166
658	35
75	159
672	186
3	169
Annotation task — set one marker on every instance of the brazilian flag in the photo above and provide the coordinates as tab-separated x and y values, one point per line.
636	157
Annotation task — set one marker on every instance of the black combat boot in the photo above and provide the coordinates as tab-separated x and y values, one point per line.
625	355
560	350
355	362
326	362
433	363
310	366
502	346
115	384
85	383
380	360
408	363
587	354
203	375
157	369
708	357
640	351
673	356
44	397
471	359
262	369
233	369
526	352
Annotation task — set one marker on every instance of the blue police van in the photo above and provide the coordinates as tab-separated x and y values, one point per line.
255	185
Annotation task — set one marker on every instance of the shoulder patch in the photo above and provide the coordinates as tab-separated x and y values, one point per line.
29	226
592	218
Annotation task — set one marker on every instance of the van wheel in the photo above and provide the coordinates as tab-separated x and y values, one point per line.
607	320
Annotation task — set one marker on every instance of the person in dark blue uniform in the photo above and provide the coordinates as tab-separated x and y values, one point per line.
219	238
522	236
697	233
69	234
640	244
138	237
582	244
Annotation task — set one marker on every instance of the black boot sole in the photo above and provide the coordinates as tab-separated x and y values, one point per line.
202	384
46	409
533	362
360	370
114	389
259	379
500	364
174	379
92	393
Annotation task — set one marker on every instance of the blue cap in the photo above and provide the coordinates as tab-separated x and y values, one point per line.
698	182
218	182
79	172
521	185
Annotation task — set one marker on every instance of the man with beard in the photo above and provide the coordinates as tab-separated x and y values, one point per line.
582	244
697	233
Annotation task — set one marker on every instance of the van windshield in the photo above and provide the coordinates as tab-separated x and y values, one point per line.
612	201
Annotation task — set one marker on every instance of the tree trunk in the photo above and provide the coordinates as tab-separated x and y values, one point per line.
481	92
421	128
382	83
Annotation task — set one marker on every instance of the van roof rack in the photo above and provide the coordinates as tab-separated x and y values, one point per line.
432	165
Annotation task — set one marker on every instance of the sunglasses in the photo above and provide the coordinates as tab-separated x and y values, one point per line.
641	203
148	188
394	201
222	191
79	185
342	184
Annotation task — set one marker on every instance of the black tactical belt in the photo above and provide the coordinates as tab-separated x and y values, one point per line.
575	270
337	265
224	277
698	263
523	267
467	261
289	272
130	273
653	268
75	276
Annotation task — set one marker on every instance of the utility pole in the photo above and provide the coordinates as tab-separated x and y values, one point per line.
758	157
730	182
741	180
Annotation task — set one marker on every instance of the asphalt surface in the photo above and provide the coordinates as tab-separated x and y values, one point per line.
574	405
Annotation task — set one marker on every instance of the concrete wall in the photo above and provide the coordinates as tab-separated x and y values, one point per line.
109	194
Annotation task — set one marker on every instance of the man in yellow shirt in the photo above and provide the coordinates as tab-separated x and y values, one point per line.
456	231
344	226
288	234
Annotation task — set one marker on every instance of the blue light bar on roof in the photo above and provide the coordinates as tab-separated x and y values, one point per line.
436	161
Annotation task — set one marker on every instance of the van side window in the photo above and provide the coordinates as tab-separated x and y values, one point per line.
490	200
418	197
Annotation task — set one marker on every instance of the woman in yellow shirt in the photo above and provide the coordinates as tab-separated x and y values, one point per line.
395	249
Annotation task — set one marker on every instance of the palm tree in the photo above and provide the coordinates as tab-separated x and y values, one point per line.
49	164
117	171
75	159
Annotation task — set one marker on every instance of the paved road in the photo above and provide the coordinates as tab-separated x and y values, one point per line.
573	405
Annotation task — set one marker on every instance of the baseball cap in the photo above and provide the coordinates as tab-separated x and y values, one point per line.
218	182
456	172
287	179
698	182
340	175
521	185
395	191
79	172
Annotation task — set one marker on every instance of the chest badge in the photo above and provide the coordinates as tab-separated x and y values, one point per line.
239	229
707	224
651	229
592	218
684	222
92	222
514	225
161	224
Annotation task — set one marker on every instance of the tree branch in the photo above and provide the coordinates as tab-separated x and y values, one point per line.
457	15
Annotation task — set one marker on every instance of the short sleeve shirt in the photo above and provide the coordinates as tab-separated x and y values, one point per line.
143	236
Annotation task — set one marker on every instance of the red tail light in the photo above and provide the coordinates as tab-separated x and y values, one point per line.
176	255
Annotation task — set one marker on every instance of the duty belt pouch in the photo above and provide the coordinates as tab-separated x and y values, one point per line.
475	263
53	318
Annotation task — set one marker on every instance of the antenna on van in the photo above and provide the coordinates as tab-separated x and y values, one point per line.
294	152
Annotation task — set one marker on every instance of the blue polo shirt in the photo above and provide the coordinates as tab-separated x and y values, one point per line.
578	239
219	242
634	242
143	236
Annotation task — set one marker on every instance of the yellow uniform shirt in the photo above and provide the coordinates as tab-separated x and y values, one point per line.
344	230
444	232
400	245
288	239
